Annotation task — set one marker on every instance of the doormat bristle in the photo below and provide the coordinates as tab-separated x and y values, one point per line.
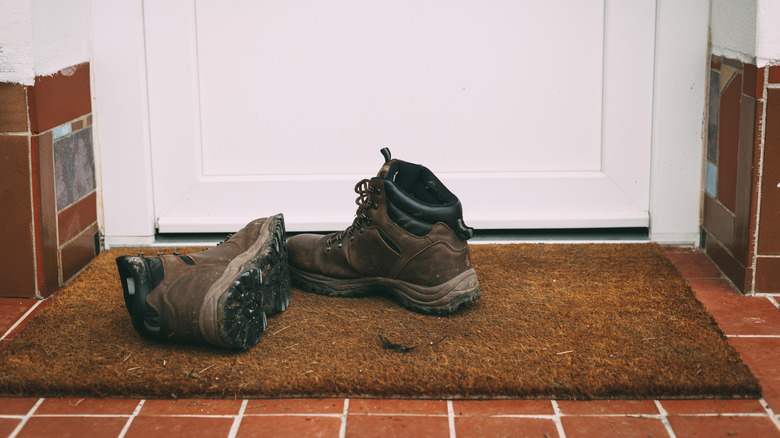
577	321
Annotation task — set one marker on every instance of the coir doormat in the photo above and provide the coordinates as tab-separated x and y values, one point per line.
554	321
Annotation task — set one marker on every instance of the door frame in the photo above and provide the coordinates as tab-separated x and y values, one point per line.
123	140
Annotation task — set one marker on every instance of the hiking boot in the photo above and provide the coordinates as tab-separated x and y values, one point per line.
221	295
408	239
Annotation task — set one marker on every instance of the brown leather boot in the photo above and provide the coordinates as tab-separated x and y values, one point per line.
408	239
221	295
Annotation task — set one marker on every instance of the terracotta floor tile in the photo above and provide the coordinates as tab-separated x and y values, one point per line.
396	406
11	309
723	426
689	407
502	407
190	407
719	294
608	407
606	427
737	321
504	427
295	406
16	406
8	425
387	426
692	263
737	314
87	406
292	426
151	427
62	427
39	306
762	356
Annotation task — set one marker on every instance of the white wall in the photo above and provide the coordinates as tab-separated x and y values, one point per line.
768	35
41	37
747	30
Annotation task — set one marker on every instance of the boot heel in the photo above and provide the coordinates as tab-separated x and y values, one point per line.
442	299
136	278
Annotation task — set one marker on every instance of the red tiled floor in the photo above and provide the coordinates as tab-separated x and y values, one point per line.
504	427
387	426
762	356
735	313
16	406
754	317
83	406
163	427
190	407
14	306
502	407
11	309
692	263
608	407
723	426
298	426
295	406
392	406
692	407
8	425
76	427
606	427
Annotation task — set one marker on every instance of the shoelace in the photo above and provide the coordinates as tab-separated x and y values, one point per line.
364	203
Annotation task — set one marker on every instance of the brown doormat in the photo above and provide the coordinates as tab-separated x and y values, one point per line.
554	321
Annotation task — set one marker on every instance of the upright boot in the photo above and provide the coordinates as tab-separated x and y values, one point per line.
220	296
408	239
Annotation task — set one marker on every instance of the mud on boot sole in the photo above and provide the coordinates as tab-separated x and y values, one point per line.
261	288
244	318
442	299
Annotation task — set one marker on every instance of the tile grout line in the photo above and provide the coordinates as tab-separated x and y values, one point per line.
26	418
772	417
665	419
126	427
557	419
237	420
22	318
343	428
451	418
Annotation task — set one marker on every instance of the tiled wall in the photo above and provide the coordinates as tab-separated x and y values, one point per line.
48	224
741	217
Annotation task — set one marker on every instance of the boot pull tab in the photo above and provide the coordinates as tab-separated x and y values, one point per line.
386	153
464	231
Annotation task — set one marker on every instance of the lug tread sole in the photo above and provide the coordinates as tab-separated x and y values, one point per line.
261	289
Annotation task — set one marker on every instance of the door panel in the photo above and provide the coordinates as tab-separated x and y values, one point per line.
535	113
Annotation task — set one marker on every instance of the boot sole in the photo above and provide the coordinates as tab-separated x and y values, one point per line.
442	299
255	284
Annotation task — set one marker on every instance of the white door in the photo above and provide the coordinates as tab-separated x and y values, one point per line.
534	113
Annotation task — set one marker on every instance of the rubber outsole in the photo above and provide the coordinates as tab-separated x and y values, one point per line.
442	299
261	289
134	273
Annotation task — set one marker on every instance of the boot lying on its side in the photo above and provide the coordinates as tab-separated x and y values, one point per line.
408	239
220	296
